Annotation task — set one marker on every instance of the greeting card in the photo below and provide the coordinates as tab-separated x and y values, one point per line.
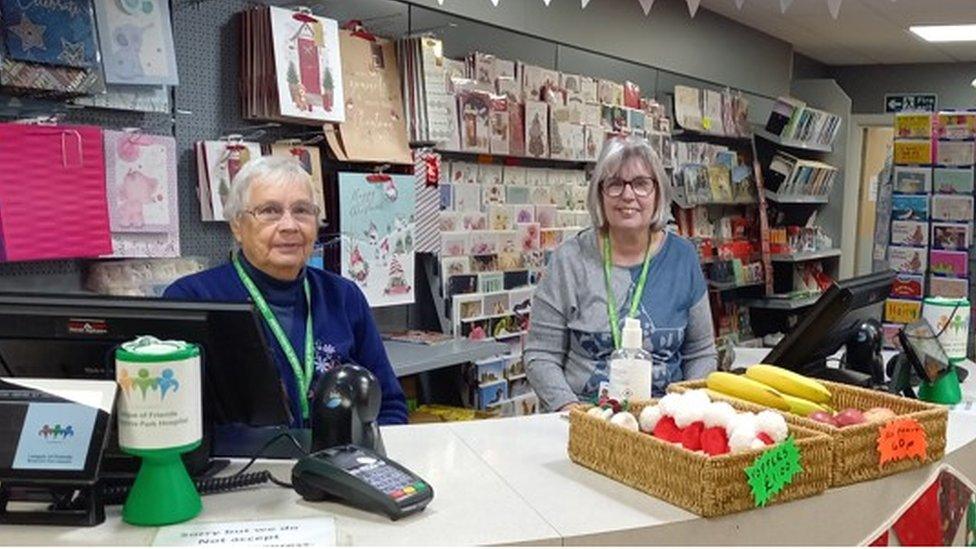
951	236
490	174
449	221
907	286
954	153
949	263
140	178
913	125
956	125
474	115
307	66
136	42
467	198
517	194
536	177
904	259
948	207
514	175
492	194
454	243
902	311
464	172
473	221
536	129
910	207
909	233
501	217
913	151
528	236
377	225
500	119
911	180
953	180
52	33
955	288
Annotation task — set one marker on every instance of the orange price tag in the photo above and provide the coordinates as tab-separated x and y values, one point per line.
901	439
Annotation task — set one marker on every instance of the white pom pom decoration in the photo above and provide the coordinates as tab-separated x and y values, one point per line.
668	403
649	417
718	414
625	420
688	411
772	424
699	397
742	437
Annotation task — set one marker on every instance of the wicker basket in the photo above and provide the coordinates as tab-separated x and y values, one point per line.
707	486
856	457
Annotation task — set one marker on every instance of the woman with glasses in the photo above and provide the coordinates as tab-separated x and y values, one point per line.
626	265
314	319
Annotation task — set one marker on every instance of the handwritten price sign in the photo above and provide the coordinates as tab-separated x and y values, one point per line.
773	470
902	439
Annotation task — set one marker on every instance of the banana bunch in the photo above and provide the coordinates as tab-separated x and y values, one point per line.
773	387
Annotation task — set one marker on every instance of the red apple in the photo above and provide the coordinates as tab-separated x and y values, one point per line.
823	417
849	416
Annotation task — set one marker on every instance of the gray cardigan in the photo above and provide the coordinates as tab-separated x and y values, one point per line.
569	339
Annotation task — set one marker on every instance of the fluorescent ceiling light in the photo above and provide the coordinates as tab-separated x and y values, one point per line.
945	33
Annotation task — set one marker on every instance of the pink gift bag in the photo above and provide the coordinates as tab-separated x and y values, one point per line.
52	193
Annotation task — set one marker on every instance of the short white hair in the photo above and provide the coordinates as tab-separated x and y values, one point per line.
616	151
275	170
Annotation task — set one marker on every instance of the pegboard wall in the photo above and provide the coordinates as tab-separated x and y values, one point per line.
206	105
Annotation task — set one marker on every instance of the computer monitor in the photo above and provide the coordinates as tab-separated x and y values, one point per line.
831	322
60	336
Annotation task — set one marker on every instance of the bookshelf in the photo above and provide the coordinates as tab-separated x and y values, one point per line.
800	173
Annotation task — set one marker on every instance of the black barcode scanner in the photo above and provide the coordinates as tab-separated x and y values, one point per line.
344	408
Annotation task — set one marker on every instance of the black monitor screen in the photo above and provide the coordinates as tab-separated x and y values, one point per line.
831	321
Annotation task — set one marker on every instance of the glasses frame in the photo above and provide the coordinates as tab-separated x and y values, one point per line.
315	217
652	188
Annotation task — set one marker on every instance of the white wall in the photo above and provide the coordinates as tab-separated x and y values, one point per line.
867	85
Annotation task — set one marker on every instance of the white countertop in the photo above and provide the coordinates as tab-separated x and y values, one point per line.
510	481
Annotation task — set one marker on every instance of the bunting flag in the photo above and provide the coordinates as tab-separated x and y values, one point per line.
738	4
546	2
785	5
494	3
584	3
834	7
646	5
693	6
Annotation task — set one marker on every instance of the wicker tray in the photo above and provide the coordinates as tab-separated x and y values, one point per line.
707	486
855	449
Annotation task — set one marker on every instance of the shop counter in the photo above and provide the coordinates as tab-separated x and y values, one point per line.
510	481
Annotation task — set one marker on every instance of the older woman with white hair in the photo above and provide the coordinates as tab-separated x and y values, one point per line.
626	265
314	319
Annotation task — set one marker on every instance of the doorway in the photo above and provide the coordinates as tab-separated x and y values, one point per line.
876	146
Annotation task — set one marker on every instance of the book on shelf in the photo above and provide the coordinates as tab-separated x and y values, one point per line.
793	119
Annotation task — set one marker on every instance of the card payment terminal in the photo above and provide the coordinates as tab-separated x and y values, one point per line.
363	479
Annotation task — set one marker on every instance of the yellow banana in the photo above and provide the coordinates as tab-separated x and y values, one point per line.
788	382
744	388
802	406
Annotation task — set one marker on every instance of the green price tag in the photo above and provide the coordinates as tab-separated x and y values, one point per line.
773	471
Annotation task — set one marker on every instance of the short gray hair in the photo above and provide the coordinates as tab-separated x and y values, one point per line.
616	151
277	170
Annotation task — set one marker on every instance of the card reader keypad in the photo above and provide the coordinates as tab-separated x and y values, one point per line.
388	480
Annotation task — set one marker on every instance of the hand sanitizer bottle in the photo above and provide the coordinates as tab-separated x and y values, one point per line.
631	367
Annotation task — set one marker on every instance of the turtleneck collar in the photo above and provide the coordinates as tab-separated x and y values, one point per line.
274	290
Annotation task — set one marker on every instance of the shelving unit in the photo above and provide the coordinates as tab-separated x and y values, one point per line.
782	305
727	297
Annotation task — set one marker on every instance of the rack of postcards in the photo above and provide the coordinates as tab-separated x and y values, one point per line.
803	259
931	212
516	141
715	200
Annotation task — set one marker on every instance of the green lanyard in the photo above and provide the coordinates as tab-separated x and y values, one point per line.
303	377
634	299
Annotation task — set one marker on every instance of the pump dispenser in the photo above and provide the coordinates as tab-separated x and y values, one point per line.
631	367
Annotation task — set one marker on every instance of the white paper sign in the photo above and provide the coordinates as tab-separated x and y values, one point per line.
303	532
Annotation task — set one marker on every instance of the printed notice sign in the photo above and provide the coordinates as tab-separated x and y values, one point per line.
302	532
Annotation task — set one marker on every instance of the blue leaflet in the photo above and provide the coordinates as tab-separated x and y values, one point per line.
53	32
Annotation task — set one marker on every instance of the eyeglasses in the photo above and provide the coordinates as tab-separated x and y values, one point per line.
642	186
305	213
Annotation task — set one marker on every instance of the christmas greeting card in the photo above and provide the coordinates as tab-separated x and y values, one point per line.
307	66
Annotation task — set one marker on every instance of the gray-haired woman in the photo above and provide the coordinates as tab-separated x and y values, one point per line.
651	274
313	319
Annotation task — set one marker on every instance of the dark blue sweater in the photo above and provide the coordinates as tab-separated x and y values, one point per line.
342	325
